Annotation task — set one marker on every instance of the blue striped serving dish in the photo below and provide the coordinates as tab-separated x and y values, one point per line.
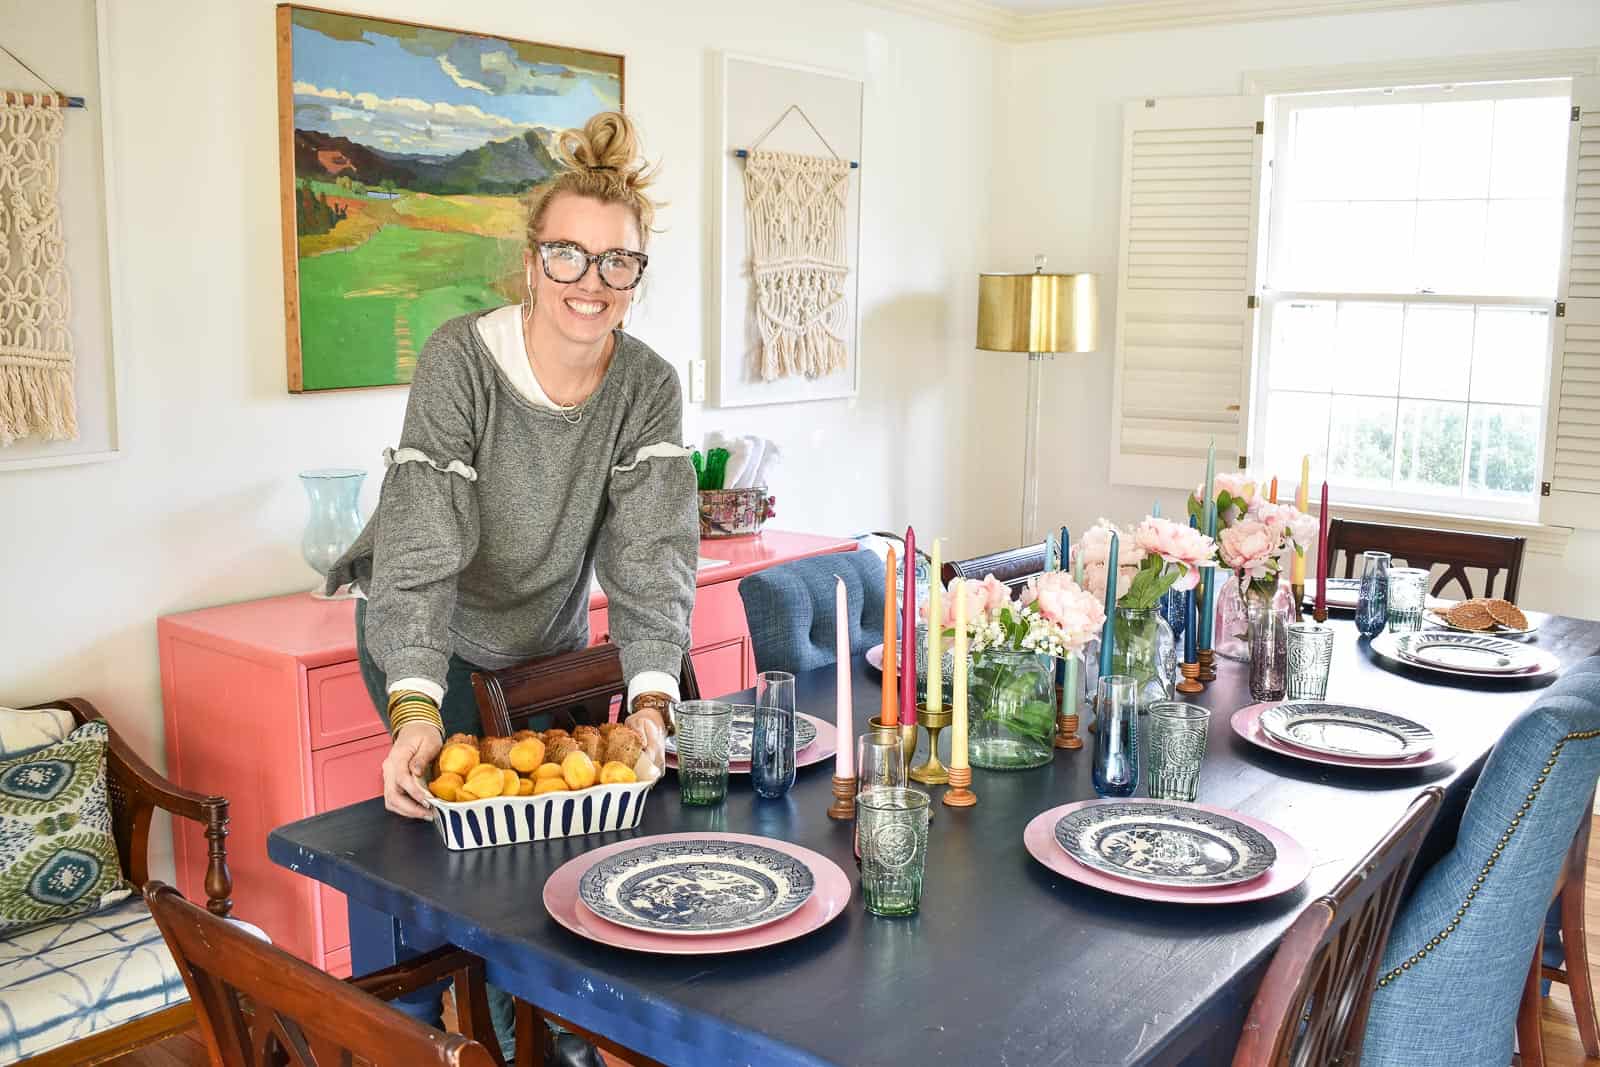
515	820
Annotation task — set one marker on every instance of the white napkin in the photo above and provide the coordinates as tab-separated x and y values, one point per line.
739	466
754	449
771	455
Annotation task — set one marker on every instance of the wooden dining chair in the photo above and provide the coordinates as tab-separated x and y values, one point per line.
1311	1009
572	689
1421	547
1574	973
259	1006
1013	566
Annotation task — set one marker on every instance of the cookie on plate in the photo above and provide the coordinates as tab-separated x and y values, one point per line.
1470	615
1507	614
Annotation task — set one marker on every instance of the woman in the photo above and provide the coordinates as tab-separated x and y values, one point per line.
541	445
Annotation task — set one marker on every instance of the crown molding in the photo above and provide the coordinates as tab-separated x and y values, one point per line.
1134	16
1481	67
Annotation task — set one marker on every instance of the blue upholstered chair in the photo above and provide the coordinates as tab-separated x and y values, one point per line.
790	609
1460	953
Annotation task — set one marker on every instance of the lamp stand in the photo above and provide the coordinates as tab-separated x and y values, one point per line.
1030	448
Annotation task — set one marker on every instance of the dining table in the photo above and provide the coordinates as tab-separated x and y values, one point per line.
1005	963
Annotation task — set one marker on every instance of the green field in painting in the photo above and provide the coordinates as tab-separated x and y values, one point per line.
375	305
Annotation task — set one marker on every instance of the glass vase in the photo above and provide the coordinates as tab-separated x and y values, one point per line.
1012	709
1268	639
1231	634
1144	652
335	519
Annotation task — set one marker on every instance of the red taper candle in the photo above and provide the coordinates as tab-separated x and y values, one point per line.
1319	607
908	634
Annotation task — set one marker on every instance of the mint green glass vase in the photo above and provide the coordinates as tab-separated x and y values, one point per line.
1011	707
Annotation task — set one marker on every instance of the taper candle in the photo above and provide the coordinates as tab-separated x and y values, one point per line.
1208	490
958	680
1108	638
935	635
1064	556
908	633
1272	496
1155	509
1297	567
1320	608
889	707
1190	622
844	762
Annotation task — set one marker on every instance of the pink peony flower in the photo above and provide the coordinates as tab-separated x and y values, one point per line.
1238	486
1094	578
1075	611
1176	543
1250	547
984	599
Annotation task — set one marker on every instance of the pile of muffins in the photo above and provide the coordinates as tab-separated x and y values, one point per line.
531	763
1483	614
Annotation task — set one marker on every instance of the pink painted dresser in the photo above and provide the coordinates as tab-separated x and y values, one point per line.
264	704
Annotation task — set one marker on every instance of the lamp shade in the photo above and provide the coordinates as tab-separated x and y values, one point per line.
1038	312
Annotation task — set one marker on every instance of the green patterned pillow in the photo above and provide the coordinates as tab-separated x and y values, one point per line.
57	855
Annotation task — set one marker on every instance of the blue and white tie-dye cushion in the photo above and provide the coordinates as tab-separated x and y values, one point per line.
23	731
62	982
58	858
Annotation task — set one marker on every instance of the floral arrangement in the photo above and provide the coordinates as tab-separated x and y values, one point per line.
1053	616
1255	536
1156	556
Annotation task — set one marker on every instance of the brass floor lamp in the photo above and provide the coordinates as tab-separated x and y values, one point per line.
1040	314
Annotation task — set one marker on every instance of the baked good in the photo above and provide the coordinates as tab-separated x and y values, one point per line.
1507	614
624	746
1470	615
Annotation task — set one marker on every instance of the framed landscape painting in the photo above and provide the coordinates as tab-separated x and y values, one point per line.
407	153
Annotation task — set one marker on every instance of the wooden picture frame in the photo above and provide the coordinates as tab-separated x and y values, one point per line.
403	170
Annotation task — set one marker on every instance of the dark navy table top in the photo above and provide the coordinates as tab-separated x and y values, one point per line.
1006	963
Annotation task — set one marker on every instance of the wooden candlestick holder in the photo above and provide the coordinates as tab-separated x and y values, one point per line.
932	772
958	795
844	799
1207	665
1191	678
1067	732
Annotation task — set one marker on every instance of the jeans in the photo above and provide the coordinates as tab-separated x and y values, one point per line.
460	714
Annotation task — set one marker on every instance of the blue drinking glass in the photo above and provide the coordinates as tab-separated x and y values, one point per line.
772	742
1372	608
1116	736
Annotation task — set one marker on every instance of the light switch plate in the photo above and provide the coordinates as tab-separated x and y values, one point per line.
697	381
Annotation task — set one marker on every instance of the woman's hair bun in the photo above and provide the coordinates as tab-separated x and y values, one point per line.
607	142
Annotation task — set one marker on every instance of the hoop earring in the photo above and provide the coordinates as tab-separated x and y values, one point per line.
527	308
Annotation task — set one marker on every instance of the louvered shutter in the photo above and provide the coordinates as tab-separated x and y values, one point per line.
1571	490
1185	335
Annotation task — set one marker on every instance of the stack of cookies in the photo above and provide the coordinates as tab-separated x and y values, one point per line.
1485	614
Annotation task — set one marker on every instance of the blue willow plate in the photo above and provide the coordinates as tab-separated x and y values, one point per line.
1165	844
696	887
1346	730
742	734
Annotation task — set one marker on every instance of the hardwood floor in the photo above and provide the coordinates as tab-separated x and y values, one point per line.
1562	1048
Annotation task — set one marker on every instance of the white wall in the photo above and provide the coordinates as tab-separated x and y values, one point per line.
1061	195
206	508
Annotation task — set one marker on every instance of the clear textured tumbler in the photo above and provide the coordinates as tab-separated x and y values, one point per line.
1408	594
893	830
705	731
1310	656
1174	749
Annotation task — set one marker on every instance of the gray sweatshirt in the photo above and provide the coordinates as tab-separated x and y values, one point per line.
495	513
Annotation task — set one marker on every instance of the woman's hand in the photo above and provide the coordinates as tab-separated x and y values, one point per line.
412	753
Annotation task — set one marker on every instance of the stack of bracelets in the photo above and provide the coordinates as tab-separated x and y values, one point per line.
407	706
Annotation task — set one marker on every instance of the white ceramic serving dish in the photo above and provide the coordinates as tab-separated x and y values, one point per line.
514	820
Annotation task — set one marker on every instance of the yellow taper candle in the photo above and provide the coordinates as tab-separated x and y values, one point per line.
1297	569
958	682
935	636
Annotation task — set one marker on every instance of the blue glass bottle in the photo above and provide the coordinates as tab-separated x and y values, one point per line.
1116	736
1372	607
1173	605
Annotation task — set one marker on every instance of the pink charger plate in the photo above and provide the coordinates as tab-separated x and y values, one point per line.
825	746
1246	722
1290	869
829	897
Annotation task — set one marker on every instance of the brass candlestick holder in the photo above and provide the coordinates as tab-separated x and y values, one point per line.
932	772
1191	678
844	799
958	795
1066	725
1299	593
904	732
1207	665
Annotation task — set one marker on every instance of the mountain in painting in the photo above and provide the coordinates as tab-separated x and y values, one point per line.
494	168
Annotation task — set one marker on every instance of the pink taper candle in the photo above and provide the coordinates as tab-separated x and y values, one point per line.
908	634
1320	606
889	706
843	763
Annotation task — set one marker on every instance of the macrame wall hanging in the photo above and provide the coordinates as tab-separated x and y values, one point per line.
36	370
796	220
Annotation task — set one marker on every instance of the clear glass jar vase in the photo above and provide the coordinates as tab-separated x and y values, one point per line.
1230	637
334	522
1144	652
1268	640
1011	709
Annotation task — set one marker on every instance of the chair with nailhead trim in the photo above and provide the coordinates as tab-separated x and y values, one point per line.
1466	947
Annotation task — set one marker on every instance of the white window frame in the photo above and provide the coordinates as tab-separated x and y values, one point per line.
1277	194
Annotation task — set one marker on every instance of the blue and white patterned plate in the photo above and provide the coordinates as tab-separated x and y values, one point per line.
1164	844
696	887
741	736
1346	730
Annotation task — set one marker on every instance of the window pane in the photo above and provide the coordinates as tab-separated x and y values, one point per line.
1385	141
1302	345
1502	450
1324	156
1450	246
1523	247
1437	357
1455	149
1297	425
1361	441
1432	439
1378	238
1318	246
1508	356
1367	349
1530	147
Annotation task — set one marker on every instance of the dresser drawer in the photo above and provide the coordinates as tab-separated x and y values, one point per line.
345	775
341	711
719	669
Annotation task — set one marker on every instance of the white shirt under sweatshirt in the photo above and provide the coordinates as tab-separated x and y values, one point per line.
501	332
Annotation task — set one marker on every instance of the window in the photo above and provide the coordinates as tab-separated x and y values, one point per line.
1412	260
